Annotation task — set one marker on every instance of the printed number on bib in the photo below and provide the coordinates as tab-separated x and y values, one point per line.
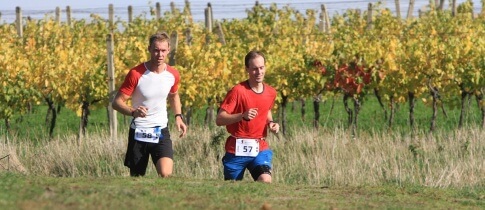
151	135
247	147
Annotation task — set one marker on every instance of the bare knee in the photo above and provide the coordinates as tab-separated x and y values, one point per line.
165	174
265	178
164	167
261	173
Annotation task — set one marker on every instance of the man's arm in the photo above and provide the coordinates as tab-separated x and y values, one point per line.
273	127
174	100
119	104
224	118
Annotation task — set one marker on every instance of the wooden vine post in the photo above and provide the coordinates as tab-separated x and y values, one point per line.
130	14
398	9
158	11
58	15
68	15
173	48
113	120
209	113
111	17
19	22
410	9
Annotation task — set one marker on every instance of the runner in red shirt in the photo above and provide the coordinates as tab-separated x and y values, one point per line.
246	113
149	85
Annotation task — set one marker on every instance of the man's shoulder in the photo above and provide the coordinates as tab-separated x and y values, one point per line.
270	88
237	89
139	69
240	86
172	70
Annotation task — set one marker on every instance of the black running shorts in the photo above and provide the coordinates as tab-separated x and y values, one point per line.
138	152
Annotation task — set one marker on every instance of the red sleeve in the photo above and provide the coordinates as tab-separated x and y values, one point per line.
131	81
229	103
176	74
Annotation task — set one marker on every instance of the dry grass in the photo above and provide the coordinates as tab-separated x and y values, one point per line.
442	160
323	158
64	156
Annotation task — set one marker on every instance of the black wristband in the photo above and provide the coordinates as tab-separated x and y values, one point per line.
179	115
245	119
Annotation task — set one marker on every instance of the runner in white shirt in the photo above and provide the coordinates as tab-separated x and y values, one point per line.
149	85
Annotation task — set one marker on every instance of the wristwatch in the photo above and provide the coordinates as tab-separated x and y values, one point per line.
179	115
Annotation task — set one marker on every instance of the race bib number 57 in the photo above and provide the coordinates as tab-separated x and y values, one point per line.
247	147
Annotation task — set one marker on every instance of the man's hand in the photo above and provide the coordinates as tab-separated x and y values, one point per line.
141	111
250	114
274	127
182	128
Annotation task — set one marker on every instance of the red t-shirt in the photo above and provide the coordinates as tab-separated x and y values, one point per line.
240	99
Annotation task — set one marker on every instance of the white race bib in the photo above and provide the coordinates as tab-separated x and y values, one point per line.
151	135
247	147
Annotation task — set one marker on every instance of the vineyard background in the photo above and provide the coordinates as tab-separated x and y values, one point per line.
435	60
223	9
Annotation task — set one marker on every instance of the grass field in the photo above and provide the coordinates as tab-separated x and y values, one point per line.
328	168
34	192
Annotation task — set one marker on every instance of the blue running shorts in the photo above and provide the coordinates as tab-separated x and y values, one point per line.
234	166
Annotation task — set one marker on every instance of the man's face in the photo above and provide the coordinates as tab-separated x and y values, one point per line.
158	52
256	69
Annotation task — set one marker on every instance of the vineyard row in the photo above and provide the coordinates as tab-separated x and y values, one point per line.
436	58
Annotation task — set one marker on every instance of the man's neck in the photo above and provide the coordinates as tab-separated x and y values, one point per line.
154	67
256	86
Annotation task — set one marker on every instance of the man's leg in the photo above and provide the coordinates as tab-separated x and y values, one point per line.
234	166
162	155
136	158
260	168
266	178
164	166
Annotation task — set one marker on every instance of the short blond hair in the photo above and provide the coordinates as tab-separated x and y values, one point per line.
159	36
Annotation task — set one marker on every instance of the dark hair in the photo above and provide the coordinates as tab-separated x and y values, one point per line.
252	55
159	36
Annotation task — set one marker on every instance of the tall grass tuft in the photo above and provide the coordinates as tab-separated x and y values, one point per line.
65	157
336	158
314	157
